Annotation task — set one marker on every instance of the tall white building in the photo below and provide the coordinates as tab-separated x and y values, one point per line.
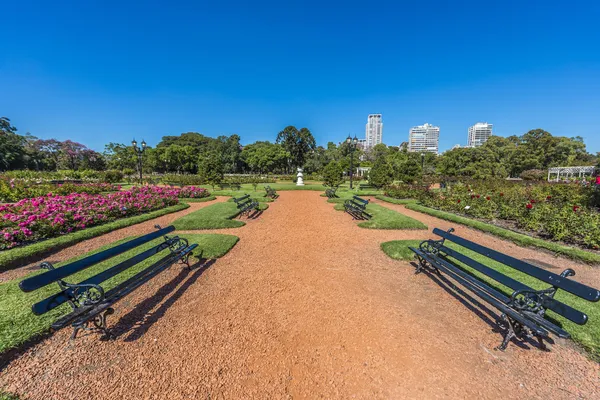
479	134
374	130
424	138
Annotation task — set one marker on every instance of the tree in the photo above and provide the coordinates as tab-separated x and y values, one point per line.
210	168
298	143
381	173
333	174
12	146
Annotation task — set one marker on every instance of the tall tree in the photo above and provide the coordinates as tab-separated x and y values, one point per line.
296	142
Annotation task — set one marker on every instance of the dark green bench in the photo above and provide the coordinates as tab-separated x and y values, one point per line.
89	301
330	192
357	207
523	308
245	204
271	192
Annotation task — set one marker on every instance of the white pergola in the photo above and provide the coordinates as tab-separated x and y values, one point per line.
570	172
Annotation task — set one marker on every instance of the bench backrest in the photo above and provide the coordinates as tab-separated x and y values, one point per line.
361	201
58	274
558	281
244	199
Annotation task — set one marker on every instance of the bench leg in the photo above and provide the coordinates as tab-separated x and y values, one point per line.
509	326
99	324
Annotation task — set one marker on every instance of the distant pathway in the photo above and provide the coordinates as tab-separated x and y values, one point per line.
305	306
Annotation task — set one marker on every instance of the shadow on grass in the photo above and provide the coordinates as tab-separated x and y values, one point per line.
137	322
482	311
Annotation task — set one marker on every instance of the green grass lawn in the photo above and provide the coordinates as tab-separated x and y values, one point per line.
395	201
215	216
383	218
518	238
587	335
20	255
8	396
18	324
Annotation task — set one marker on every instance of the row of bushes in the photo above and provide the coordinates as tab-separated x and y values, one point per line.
110	176
15	190
564	212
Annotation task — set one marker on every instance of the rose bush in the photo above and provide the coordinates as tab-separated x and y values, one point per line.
192	192
14	190
565	212
43	217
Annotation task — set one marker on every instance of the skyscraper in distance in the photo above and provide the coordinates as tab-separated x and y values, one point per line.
479	134
424	138
374	130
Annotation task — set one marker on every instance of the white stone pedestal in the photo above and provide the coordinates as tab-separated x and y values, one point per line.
300	181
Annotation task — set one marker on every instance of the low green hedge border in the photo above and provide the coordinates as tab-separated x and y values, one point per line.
517	238
18	256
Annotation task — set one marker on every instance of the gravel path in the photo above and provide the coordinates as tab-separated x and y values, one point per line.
305	306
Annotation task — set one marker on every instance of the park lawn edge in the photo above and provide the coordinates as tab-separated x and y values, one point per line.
515	237
220	215
375	209
392	200
13	258
398	250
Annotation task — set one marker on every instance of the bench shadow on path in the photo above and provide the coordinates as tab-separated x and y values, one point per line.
137	322
486	314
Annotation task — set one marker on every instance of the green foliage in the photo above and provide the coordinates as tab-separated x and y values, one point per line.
333	174
17	322
264	157
210	169
298	143
534	175
381	173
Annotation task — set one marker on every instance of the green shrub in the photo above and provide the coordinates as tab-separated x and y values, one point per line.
333	174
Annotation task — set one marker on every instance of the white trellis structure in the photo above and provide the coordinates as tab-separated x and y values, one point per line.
569	172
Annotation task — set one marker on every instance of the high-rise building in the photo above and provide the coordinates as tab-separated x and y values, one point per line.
374	130
424	138
479	134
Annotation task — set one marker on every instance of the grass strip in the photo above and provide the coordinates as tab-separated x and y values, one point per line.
216	216
517	238
19	325
384	218
19	256
395	201
587	335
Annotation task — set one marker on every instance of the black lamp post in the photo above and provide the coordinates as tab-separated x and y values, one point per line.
139	152
422	166
352	143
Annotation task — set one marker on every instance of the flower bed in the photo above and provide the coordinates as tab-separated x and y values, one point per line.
44	217
563	212
15	190
192	192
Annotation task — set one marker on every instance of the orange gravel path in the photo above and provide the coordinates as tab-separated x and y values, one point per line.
305	306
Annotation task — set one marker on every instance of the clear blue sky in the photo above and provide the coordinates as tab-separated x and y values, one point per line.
101	71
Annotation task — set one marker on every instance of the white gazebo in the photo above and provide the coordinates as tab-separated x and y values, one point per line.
569	172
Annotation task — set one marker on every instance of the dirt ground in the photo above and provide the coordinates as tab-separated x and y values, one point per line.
305	306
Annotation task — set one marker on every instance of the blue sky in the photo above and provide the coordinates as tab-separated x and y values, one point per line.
101	71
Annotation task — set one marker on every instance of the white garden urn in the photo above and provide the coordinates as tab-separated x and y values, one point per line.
300	181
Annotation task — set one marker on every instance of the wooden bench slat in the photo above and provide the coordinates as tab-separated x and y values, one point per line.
46	278
551	278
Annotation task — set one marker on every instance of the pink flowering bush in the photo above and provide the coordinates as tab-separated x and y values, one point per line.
192	192
52	215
